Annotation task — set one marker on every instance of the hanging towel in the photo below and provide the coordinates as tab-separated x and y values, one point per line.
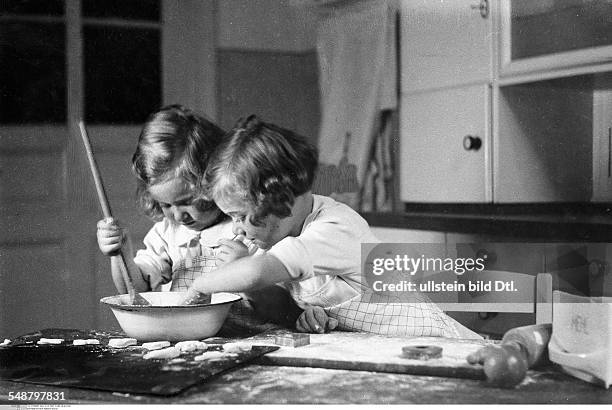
378	190
357	62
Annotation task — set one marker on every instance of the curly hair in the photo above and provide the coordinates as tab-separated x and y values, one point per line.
174	141
264	166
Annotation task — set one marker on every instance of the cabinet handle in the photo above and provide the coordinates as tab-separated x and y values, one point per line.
472	143
488	257
483	6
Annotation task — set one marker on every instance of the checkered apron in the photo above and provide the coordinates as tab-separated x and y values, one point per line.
392	316
192	267
199	260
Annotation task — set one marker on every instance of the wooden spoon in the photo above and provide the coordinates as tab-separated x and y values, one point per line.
135	297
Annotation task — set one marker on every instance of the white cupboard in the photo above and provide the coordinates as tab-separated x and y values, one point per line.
444	44
444	155
467	70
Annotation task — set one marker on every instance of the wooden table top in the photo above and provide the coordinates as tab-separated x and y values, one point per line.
266	382
257	384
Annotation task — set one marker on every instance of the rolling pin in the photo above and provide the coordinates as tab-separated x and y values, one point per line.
521	348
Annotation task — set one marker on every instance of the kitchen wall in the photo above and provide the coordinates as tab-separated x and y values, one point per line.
226	59
242	57
266	64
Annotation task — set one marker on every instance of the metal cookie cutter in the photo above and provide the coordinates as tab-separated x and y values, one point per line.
421	352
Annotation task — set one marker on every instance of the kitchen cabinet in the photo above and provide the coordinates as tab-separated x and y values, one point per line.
534	103
602	143
444	44
446	72
552	35
543	150
460	125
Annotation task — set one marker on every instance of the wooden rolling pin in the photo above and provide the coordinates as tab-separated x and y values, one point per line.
521	348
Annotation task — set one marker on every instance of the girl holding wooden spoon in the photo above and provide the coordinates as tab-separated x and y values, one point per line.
171	156
192	236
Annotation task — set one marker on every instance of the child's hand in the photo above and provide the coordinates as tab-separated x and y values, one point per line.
193	297
111	236
315	320
230	250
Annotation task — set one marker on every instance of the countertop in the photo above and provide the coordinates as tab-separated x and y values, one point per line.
571	222
257	384
260	382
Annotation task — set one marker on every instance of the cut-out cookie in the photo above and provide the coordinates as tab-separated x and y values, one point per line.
237	347
82	342
167	353
156	345
191	345
120	343
45	341
213	356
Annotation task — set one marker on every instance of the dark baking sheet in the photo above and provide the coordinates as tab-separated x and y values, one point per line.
102	368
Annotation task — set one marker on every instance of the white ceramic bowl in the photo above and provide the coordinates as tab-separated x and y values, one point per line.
166	319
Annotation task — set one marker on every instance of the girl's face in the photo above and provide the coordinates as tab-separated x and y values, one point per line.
270	231
178	203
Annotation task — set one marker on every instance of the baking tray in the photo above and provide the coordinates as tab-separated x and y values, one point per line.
99	367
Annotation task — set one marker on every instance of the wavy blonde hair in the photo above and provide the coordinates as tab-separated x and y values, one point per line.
174	141
262	165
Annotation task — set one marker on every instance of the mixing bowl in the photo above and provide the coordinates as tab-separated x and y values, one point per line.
166	319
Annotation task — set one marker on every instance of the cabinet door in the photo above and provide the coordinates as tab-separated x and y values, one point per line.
602	144
435	166
444	43
547	35
544	143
